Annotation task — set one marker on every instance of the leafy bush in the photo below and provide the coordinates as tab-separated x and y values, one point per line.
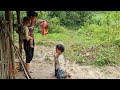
117	41
1	13
54	26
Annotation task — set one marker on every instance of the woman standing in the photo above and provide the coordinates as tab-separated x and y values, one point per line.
28	50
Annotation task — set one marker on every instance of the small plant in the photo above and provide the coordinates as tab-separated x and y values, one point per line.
80	60
47	58
105	60
117	41
100	62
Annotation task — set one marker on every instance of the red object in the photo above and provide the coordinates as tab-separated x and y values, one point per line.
44	28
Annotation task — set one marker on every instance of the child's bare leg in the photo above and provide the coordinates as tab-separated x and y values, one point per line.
28	65
31	42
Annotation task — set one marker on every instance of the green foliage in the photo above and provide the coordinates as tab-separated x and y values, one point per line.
54	26
69	19
104	60
22	14
81	30
1	13
118	41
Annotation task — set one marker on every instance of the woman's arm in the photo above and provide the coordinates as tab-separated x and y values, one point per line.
32	27
39	21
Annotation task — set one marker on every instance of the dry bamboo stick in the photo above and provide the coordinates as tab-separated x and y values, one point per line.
23	65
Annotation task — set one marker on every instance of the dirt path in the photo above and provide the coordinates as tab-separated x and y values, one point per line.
43	67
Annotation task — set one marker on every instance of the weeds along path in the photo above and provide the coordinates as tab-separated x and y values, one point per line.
42	66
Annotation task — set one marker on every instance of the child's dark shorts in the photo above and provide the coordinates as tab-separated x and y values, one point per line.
60	74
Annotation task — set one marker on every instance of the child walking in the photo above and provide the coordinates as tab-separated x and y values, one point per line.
25	31
44	28
59	61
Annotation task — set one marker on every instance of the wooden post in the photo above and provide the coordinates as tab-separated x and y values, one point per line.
13	25
18	21
18	17
8	51
20	46
6	15
4	54
10	21
2	58
0	55
8	57
7	60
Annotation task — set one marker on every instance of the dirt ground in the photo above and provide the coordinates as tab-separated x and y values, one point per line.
42	67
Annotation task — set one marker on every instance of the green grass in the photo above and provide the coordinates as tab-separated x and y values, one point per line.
83	46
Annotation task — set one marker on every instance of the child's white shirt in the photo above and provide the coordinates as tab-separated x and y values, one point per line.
26	31
60	62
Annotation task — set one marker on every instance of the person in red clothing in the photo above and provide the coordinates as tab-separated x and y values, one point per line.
44	28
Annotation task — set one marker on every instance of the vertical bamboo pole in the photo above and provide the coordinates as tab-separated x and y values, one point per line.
0	55
6	49
13	25
9	51
20	46
10	21
2	63
6	55
7	58
2	58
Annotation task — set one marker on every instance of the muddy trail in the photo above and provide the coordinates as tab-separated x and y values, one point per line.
42	67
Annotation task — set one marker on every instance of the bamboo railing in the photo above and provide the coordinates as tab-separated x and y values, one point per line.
8	50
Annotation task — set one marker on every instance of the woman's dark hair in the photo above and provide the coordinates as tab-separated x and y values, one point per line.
31	13
60	47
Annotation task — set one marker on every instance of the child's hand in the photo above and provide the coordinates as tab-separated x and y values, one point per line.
54	54
31	27
43	20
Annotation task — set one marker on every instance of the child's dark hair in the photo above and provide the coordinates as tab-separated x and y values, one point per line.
25	19
60	47
31	13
